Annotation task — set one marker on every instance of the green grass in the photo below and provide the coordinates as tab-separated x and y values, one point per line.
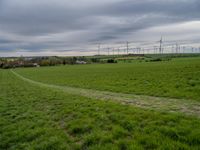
185	106
178	78
32	117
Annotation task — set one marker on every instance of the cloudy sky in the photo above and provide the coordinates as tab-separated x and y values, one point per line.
65	27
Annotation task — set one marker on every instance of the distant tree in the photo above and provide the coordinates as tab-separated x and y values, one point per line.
74	60
111	61
95	60
1	64
45	63
64	62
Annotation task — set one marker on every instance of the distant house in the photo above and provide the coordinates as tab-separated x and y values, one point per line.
81	62
28	58
36	65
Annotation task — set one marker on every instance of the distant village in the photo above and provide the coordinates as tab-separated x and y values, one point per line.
15	62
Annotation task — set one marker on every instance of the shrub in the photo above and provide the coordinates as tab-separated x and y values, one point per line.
111	61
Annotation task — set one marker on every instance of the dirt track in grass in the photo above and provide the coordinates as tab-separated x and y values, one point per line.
188	107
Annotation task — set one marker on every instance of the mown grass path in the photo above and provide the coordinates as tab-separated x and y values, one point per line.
188	107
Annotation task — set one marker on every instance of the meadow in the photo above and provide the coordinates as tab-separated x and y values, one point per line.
178	78
41	117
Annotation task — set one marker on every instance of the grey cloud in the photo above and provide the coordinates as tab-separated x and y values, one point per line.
71	24
175	7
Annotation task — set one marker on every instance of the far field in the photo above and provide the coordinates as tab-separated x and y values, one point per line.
178	78
53	108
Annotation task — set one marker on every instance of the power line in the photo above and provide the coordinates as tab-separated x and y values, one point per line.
149	47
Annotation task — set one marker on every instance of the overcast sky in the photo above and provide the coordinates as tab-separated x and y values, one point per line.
56	27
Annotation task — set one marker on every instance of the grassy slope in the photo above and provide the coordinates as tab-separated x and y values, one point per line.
32	117
179	78
148	102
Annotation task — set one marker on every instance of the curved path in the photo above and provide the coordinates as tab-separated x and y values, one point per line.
188	107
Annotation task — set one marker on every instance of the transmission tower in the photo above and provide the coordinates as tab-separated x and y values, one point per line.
108	50
99	47
177	48
127	47
160	49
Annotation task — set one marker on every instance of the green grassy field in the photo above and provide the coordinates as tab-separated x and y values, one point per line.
178	78
42	117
